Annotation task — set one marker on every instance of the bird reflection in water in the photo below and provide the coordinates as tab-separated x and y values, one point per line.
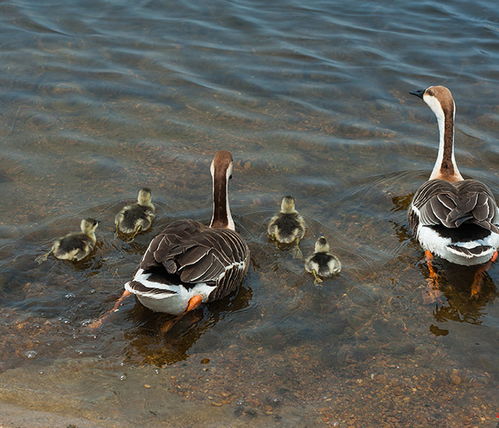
463	305
147	347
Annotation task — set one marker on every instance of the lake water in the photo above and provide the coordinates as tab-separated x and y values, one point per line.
100	98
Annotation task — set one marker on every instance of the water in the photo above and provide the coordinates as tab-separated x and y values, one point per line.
101	98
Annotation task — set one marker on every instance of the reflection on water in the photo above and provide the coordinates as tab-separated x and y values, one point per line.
101	98
461	305
147	344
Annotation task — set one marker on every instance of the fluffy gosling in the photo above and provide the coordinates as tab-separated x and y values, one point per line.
136	218
322	264
287	226
74	246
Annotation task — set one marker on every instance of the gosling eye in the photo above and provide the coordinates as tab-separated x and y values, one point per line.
230	177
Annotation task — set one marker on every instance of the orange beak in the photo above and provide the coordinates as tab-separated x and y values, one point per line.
194	302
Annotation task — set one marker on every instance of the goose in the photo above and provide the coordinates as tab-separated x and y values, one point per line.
287	226
322	264
453	218
189	263
136	218
74	246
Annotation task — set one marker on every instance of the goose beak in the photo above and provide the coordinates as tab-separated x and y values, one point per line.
419	93
194	302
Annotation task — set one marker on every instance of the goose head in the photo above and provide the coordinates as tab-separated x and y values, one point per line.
221	165
439	99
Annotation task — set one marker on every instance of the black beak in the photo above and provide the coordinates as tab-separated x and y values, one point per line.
419	93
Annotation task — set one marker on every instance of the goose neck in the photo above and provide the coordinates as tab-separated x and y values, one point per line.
445	165
222	217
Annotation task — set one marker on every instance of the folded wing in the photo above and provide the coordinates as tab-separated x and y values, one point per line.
438	202
193	253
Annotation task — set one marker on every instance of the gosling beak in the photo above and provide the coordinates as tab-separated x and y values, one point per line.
419	93
194	302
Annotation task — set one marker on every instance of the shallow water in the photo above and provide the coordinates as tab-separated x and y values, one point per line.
101	98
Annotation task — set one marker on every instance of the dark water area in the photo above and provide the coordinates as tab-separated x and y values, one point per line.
101	98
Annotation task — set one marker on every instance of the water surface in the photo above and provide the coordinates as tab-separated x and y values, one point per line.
101	98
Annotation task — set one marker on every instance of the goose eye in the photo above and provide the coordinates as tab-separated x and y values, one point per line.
230	177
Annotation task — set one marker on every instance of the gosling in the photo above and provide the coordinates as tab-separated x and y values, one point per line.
136	218
288	226
74	246
322	264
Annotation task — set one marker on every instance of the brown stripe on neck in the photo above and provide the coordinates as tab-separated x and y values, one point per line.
447	167
219	219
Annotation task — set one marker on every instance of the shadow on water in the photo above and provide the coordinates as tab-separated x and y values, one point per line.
148	345
456	283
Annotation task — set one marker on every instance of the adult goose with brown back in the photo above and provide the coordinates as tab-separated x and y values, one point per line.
453	218
190	263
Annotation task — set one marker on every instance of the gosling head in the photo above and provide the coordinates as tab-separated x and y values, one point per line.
288	205
438	98
144	197
88	225
321	245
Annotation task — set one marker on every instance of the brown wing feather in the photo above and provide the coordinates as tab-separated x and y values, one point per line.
198	253
451	204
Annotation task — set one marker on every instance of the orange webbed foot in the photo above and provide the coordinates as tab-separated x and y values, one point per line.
432	292
98	322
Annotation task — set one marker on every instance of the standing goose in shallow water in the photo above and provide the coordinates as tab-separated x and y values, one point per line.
74	246
189	263
453	218
136	218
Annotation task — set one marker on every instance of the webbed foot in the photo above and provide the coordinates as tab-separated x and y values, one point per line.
42	258
98	322
317	279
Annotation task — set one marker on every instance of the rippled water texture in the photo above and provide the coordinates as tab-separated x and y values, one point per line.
100	98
